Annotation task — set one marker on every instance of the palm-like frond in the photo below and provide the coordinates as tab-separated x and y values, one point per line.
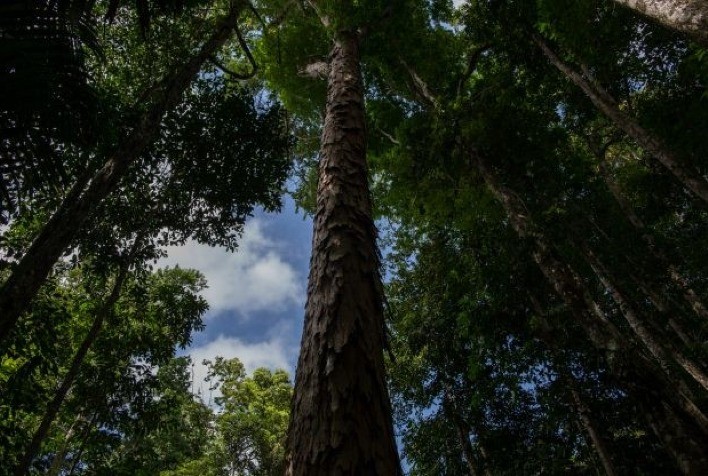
47	103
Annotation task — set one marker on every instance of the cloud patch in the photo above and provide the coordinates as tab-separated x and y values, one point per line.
273	354
254	278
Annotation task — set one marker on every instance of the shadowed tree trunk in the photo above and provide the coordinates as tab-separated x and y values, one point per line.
57	235
598	442
679	423
685	16
687	175
341	414
672	270
76	460
461	429
661	349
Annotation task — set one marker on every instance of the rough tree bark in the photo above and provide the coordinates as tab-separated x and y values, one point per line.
689	17
684	426
341	414
56	236
687	175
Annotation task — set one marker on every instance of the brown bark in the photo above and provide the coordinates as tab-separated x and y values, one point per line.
67	382
640	377
30	273
341	415
689	17
687	175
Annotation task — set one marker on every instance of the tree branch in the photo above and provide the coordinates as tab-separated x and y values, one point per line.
316	70
420	87
472	61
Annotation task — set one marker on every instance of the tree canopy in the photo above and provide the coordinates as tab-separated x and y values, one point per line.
537	173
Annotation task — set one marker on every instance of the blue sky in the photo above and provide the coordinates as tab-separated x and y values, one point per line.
256	294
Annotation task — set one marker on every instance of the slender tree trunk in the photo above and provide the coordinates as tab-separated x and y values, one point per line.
58	461
598	443
62	391
467	451
662	350
640	377
687	175
678	279
689	17
341	414
687	448
675	326
84	439
589	425
30	273
462	430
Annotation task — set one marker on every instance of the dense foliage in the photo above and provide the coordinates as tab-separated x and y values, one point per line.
538	170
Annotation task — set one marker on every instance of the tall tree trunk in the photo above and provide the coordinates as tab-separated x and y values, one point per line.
644	381
467	452
590	427
461	429
67	382
60	455
76	460
689	17
673	272
662	349
56	236
341	414
663	308
687	175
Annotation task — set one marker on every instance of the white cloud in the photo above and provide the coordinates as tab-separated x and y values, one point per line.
273	353
254	278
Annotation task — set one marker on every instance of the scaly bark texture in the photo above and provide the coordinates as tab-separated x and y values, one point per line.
30	273
687	175
686	16
341	414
